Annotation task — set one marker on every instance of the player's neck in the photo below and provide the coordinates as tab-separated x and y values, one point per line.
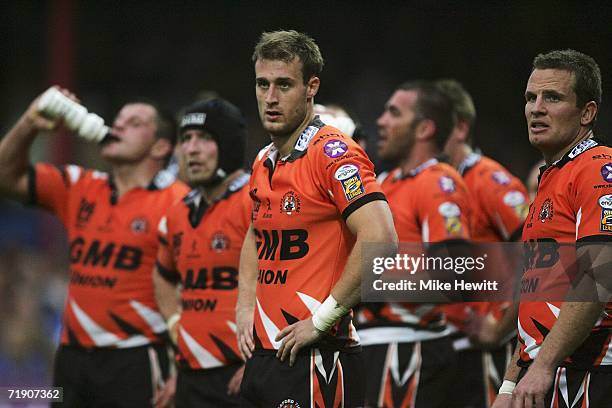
127	176
212	193
286	143
458	154
583	134
420	154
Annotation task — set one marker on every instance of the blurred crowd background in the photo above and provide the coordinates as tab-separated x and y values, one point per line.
109	52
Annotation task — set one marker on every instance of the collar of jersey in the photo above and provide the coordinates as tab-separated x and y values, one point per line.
198	206
301	145
161	180
418	169
577	150
469	162
194	197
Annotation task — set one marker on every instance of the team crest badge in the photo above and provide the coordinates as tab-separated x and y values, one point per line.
335	148
139	225
86	209
290	203
546	212
289	403
219	242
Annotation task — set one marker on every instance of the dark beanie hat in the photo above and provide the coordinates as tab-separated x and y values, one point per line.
225	123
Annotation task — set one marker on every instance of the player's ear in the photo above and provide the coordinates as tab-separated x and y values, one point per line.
589	112
312	87
425	129
161	149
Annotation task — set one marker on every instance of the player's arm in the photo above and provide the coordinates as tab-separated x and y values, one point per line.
370	223
247	283
15	151
504	398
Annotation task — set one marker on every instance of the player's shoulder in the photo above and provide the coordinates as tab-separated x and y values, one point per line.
442	169
590	158
74	174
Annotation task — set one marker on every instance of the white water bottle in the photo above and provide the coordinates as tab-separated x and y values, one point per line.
56	105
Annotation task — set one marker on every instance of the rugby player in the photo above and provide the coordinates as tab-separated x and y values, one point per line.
112	351
407	347
564	356
315	204
201	236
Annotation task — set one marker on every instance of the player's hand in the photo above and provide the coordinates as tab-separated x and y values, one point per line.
164	397
233	387
34	118
244	323
531	390
295	337
502	401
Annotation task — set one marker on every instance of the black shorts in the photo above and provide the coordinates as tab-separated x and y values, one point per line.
415	375
104	377
578	388
326	379
205	388
480	376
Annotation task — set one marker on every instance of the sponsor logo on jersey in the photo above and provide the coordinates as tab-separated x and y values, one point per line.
289	403
452	221
581	147
546	211
602	156
350	179
446	184
516	200
139	225
606	172
304	139
219	242
500	177
335	148
346	171
290	203
605	202
86	209
256	204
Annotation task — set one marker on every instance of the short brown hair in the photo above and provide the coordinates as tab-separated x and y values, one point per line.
463	105
285	46
587	76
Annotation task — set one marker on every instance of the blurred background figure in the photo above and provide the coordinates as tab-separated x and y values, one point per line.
338	117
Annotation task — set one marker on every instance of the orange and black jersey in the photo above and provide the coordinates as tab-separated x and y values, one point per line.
499	207
500	202
573	205
113	244
430	204
300	204
200	248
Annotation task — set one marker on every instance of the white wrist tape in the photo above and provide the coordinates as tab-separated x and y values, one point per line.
173	320
507	387
328	314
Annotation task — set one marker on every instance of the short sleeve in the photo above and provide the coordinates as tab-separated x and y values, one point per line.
591	192
165	261
346	174
507	205
443	212
50	186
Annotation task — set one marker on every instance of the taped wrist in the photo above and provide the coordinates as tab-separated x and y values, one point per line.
507	387
328	314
